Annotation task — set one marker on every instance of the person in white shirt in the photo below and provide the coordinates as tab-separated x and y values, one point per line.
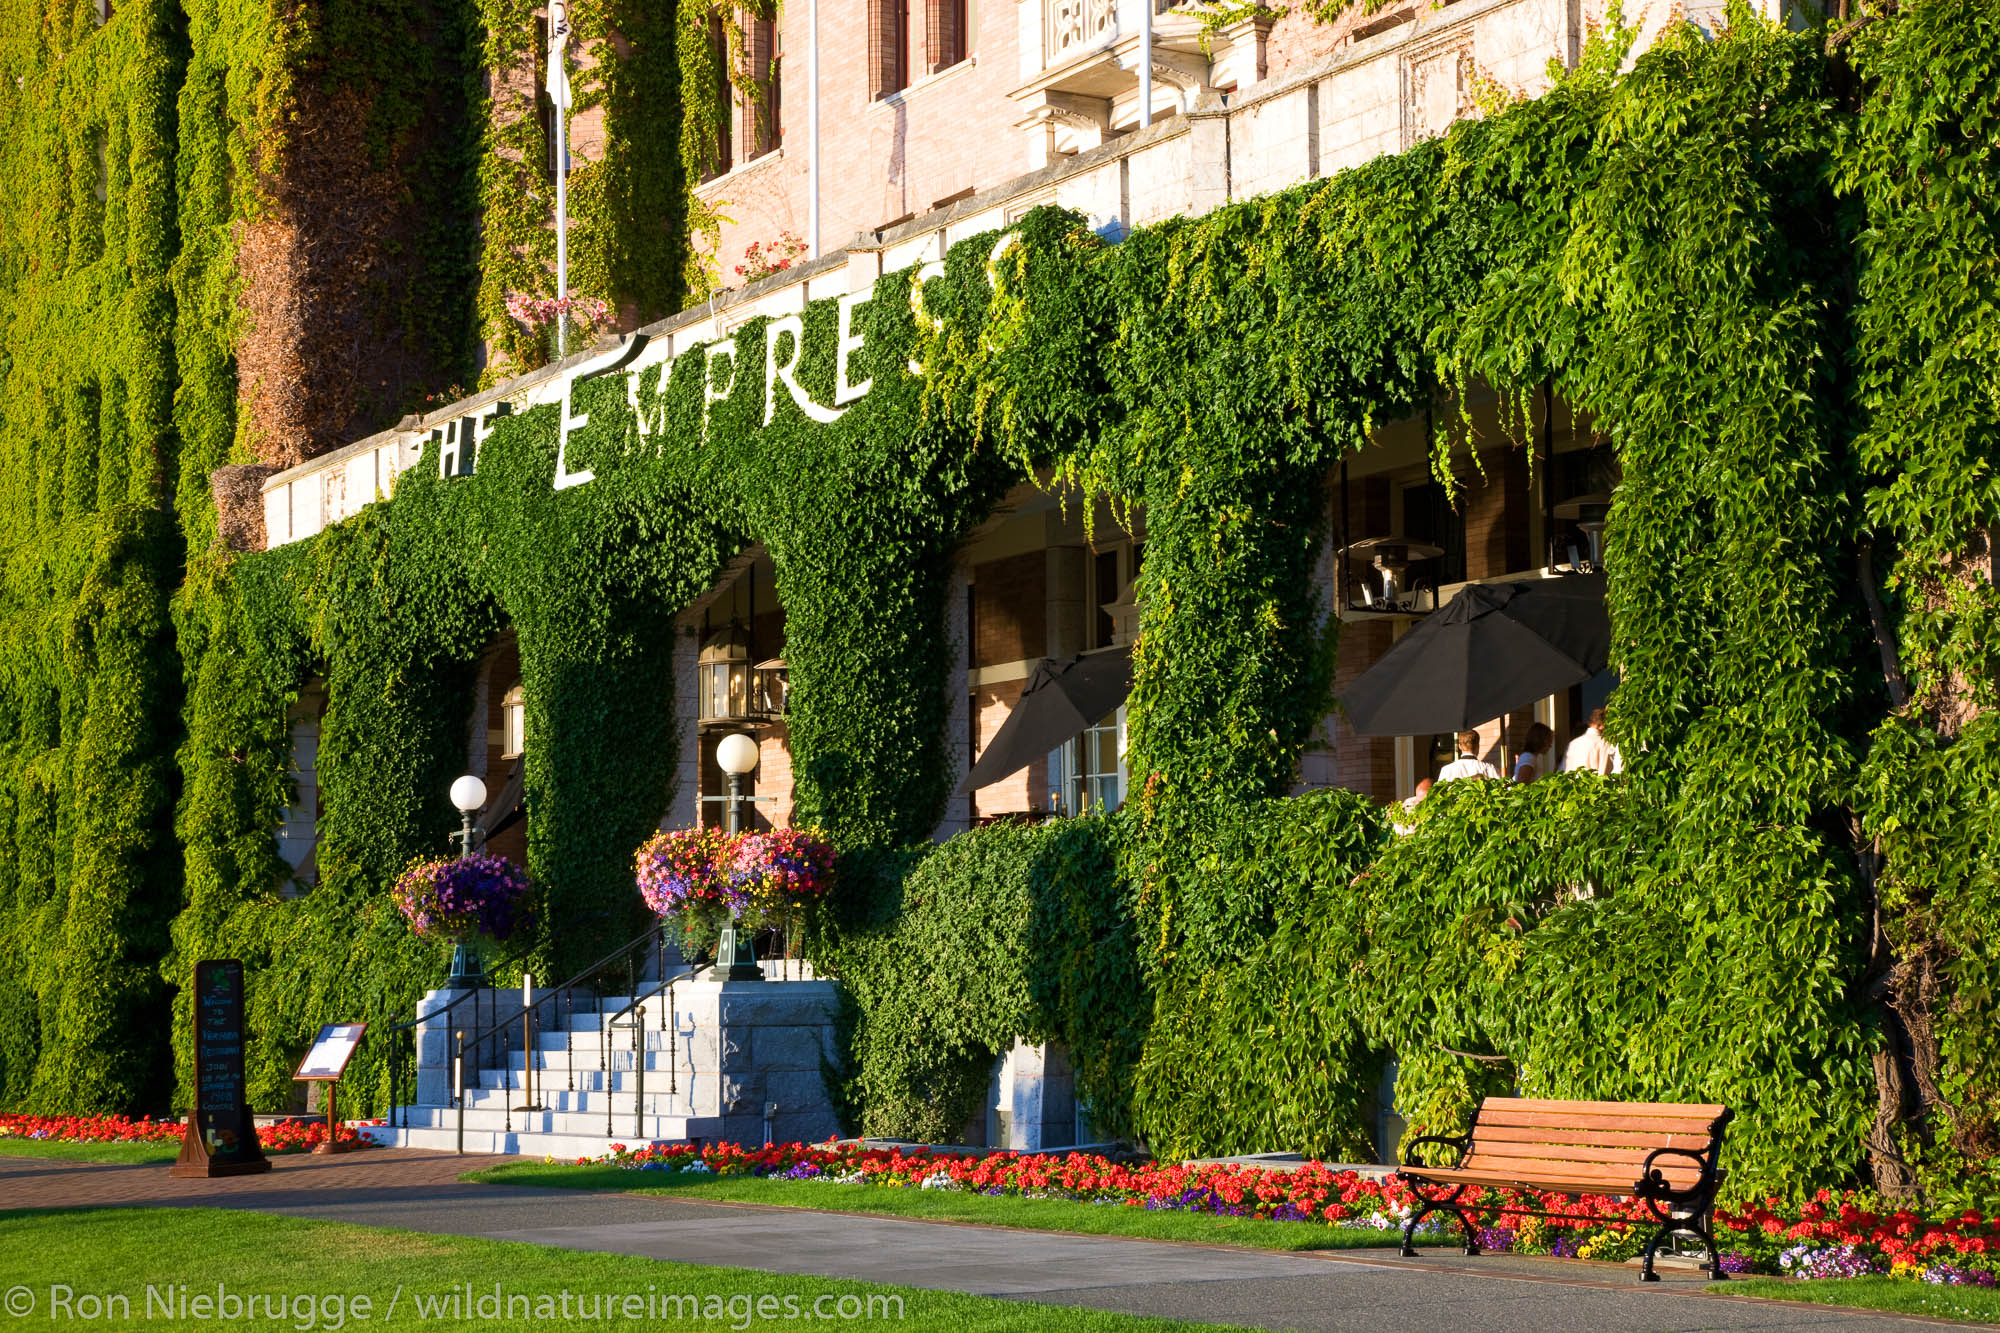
1533	761
1468	764
1591	752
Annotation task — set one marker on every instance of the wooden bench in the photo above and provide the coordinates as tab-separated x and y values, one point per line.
1662	1153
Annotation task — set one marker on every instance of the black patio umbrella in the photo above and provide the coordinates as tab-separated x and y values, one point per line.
1494	648
1060	700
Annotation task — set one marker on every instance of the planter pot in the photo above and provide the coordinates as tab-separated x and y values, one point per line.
467	970
735	956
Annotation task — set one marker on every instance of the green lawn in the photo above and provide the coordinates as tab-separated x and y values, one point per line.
944	1206
1980	1304
402	1276
91	1152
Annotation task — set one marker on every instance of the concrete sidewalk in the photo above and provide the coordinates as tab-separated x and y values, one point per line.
1352	1290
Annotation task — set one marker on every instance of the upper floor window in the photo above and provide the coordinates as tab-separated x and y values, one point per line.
947	32
725	101
888	47
761	105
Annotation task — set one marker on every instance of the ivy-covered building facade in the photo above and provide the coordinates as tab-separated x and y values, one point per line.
1743	279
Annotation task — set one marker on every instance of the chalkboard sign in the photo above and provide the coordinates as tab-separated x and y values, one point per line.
218	1036
221	1136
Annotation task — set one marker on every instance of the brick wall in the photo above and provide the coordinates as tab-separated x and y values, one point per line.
1362	763
1010	609
1025	790
774	779
1359	763
1496	514
881	160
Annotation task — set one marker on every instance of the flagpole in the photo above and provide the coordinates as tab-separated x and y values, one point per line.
812	129
559	80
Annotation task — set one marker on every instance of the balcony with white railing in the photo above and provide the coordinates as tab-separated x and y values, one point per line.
1080	67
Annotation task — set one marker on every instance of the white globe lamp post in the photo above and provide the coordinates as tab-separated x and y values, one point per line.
735	958
468	794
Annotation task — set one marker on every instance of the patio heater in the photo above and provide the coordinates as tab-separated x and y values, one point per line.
735	957
1391	589
1588	513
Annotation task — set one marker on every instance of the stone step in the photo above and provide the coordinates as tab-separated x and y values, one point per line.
499	1141
619	1055
624	1079
658	1100
629	1127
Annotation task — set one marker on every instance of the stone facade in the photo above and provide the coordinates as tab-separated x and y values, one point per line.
743	1046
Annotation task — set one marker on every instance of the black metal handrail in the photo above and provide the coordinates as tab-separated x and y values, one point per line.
394	1029
562	1002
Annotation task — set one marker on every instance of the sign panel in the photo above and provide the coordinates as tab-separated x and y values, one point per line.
331	1050
218	1036
221	1138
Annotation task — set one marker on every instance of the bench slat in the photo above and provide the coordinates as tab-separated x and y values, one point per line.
1563	1152
1687	1110
1591	1138
1614	1177
1619	1123
1551	1183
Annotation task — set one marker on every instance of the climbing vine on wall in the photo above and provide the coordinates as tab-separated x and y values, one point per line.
88	880
1718	255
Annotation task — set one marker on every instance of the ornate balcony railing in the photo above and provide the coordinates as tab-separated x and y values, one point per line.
1074	26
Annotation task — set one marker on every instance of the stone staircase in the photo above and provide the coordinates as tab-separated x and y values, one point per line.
739	1061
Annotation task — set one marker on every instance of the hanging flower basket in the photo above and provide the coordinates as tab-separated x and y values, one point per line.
464	899
783	870
680	874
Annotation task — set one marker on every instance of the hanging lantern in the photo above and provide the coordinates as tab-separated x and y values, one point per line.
772	681
513	723
724	675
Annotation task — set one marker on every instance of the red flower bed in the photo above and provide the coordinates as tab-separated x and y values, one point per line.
285	1136
1753	1235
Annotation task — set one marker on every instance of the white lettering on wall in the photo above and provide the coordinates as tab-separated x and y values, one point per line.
710	395
934	269
612	359
716	389
787	372
848	344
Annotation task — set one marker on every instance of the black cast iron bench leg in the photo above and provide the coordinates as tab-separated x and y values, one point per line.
1439	1206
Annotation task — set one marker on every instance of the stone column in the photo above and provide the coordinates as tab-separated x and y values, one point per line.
685	812
958	720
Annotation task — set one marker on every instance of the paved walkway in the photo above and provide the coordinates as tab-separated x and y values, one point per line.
1354	1290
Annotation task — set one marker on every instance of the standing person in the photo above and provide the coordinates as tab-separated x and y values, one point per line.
1468	764
1533	761
1592	752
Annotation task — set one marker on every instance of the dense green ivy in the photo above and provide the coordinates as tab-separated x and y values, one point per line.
632	210
1029	903
1924	161
1723	255
88	678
